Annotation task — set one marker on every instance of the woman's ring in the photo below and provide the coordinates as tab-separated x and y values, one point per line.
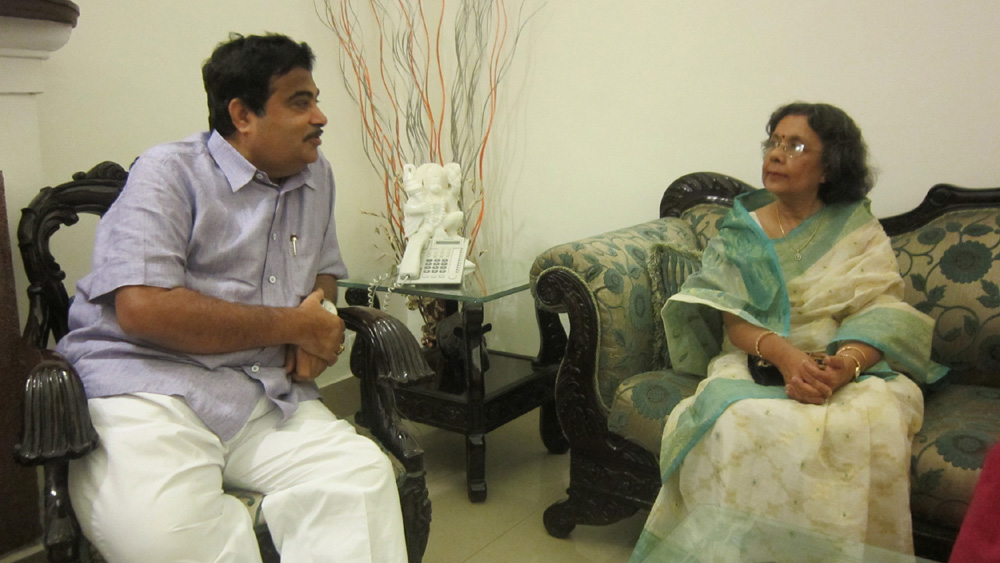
340	350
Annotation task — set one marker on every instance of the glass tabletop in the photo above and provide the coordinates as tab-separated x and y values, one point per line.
492	278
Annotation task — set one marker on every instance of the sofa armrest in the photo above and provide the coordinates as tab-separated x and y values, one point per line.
605	286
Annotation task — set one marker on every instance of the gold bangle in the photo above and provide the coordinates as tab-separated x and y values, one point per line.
856	349
857	364
756	345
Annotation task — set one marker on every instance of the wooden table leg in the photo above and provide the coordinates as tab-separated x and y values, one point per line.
475	442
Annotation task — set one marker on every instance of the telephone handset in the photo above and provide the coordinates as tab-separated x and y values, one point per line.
440	261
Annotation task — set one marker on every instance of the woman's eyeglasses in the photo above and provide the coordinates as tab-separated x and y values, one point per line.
792	148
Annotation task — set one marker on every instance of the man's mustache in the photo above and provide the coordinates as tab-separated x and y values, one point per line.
314	135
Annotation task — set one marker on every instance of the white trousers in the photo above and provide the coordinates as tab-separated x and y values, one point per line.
152	491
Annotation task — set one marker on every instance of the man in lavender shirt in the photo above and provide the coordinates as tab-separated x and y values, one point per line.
200	331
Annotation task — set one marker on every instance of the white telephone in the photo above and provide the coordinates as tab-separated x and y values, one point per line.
441	261
435	253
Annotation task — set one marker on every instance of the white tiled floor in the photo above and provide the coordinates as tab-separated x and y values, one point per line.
523	479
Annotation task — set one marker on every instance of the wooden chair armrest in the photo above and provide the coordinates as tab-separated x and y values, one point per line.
56	429
385	354
57	422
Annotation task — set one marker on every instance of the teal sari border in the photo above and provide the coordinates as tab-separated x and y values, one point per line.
900	336
700	417
831	224
753	255
648	541
743	274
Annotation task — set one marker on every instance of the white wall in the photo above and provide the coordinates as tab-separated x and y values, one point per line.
609	101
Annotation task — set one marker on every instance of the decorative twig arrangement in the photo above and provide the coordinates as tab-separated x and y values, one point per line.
415	101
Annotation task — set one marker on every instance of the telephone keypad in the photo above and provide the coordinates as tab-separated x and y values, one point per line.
438	261
442	263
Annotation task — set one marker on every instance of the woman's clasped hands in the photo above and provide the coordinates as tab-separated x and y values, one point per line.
813	378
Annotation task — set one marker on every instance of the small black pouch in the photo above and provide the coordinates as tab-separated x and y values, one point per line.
764	372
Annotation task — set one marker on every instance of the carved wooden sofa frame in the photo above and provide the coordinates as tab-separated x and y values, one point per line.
613	473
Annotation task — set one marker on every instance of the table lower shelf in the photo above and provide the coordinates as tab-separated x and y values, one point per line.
512	388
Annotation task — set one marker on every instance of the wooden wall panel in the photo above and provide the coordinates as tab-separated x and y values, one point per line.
19	500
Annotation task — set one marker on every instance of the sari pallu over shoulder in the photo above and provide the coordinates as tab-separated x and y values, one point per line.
747	274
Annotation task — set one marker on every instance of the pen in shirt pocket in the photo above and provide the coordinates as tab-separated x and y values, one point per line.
295	249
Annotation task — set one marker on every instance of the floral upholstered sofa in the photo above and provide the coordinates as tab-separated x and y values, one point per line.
615	388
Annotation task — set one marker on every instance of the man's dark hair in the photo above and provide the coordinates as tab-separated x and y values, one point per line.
243	68
845	155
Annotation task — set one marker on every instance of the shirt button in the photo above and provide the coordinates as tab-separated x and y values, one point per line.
272	279
255	368
274	236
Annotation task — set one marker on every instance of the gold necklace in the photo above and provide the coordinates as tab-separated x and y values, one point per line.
798	251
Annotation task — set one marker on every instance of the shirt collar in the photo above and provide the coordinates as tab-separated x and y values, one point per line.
240	172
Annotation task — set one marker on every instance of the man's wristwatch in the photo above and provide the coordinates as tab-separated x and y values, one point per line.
329	306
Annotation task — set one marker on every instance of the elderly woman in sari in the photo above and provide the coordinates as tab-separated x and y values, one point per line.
801	282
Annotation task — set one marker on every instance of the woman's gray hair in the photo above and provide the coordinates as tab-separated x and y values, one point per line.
844	159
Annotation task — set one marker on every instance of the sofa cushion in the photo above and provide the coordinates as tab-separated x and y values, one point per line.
643	402
252	500
669	265
950	269
705	220
961	422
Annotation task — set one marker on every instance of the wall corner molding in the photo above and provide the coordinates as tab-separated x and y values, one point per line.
58	11
30	31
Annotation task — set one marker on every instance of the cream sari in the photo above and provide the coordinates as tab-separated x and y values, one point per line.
840	468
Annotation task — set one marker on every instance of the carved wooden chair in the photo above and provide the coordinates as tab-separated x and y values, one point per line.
57	426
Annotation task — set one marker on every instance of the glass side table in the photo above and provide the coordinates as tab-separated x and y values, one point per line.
496	387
